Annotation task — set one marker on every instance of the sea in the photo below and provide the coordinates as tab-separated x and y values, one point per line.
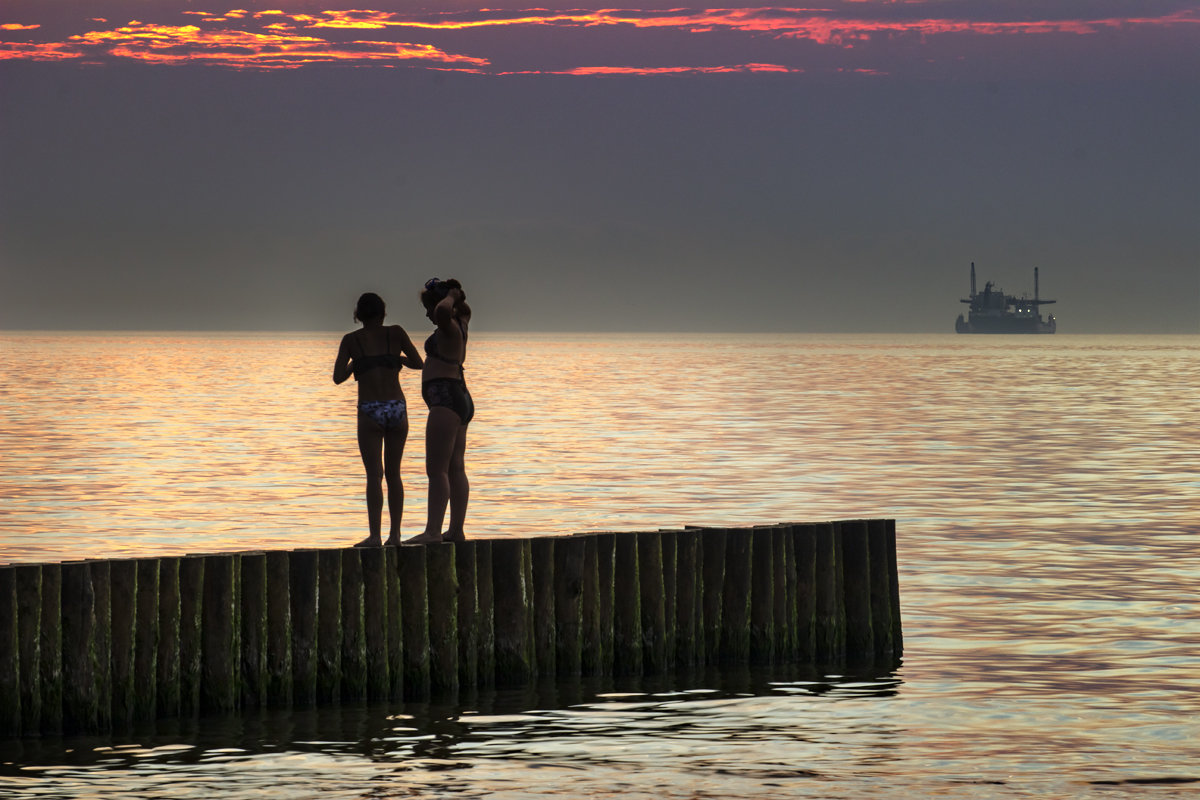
1046	491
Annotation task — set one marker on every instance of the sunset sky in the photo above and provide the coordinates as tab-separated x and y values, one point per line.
187	164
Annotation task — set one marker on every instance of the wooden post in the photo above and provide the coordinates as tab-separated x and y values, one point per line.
484	590
784	581
167	658
353	677
51	648
123	578
893	571
79	649
395	622
28	621
606	560
856	577
375	621
590	648
688	585
145	653
804	544
304	569
102	591
530	605
252	613
569	557
279	629
735	610
442	579
10	667
219	634
465	565
544	625
670	546
329	625
628	649
414	602
881	591
652	589
712	566
514	657
191	637
763	589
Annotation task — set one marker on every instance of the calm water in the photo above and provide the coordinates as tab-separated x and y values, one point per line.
1047	492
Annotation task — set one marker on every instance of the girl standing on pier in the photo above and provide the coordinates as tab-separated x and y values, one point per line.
444	388
374	355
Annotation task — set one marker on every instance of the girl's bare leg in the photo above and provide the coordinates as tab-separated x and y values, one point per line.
370	447
441	428
460	487
393	451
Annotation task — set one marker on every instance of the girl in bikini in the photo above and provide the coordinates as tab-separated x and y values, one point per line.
374	355
444	389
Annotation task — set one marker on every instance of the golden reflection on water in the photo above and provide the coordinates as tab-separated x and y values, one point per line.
1047	491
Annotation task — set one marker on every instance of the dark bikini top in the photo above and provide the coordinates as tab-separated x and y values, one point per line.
365	363
431	347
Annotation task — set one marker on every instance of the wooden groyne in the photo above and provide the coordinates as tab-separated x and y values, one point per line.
97	646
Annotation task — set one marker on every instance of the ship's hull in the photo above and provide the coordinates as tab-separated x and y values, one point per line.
1003	324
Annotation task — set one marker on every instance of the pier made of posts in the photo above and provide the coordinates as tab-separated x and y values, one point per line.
103	645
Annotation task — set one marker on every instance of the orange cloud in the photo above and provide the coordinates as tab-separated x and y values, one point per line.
13	26
178	44
661	70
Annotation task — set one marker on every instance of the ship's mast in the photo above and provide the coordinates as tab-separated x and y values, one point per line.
1035	285
972	280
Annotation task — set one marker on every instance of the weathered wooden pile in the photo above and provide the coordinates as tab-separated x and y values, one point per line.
94	646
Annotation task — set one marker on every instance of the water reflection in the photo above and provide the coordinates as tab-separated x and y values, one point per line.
730	726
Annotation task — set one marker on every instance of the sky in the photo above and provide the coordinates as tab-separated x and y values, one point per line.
210	164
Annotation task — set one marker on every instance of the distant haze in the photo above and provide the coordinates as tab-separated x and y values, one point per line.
753	171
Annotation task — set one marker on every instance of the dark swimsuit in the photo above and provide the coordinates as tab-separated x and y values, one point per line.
387	414
448	393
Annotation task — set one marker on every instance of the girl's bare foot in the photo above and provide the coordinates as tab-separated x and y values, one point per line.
424	538
392	541
370	541
454	537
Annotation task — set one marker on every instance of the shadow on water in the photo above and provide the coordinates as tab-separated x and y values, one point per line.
498	723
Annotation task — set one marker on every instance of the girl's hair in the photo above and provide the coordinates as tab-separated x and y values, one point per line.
370	306
436	290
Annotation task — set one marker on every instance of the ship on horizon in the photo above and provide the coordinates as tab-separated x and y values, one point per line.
993	311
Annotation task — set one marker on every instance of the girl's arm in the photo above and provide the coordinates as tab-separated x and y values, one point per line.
341	367
412	357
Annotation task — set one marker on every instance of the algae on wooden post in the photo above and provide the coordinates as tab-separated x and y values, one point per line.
395	623
606	556
784	583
